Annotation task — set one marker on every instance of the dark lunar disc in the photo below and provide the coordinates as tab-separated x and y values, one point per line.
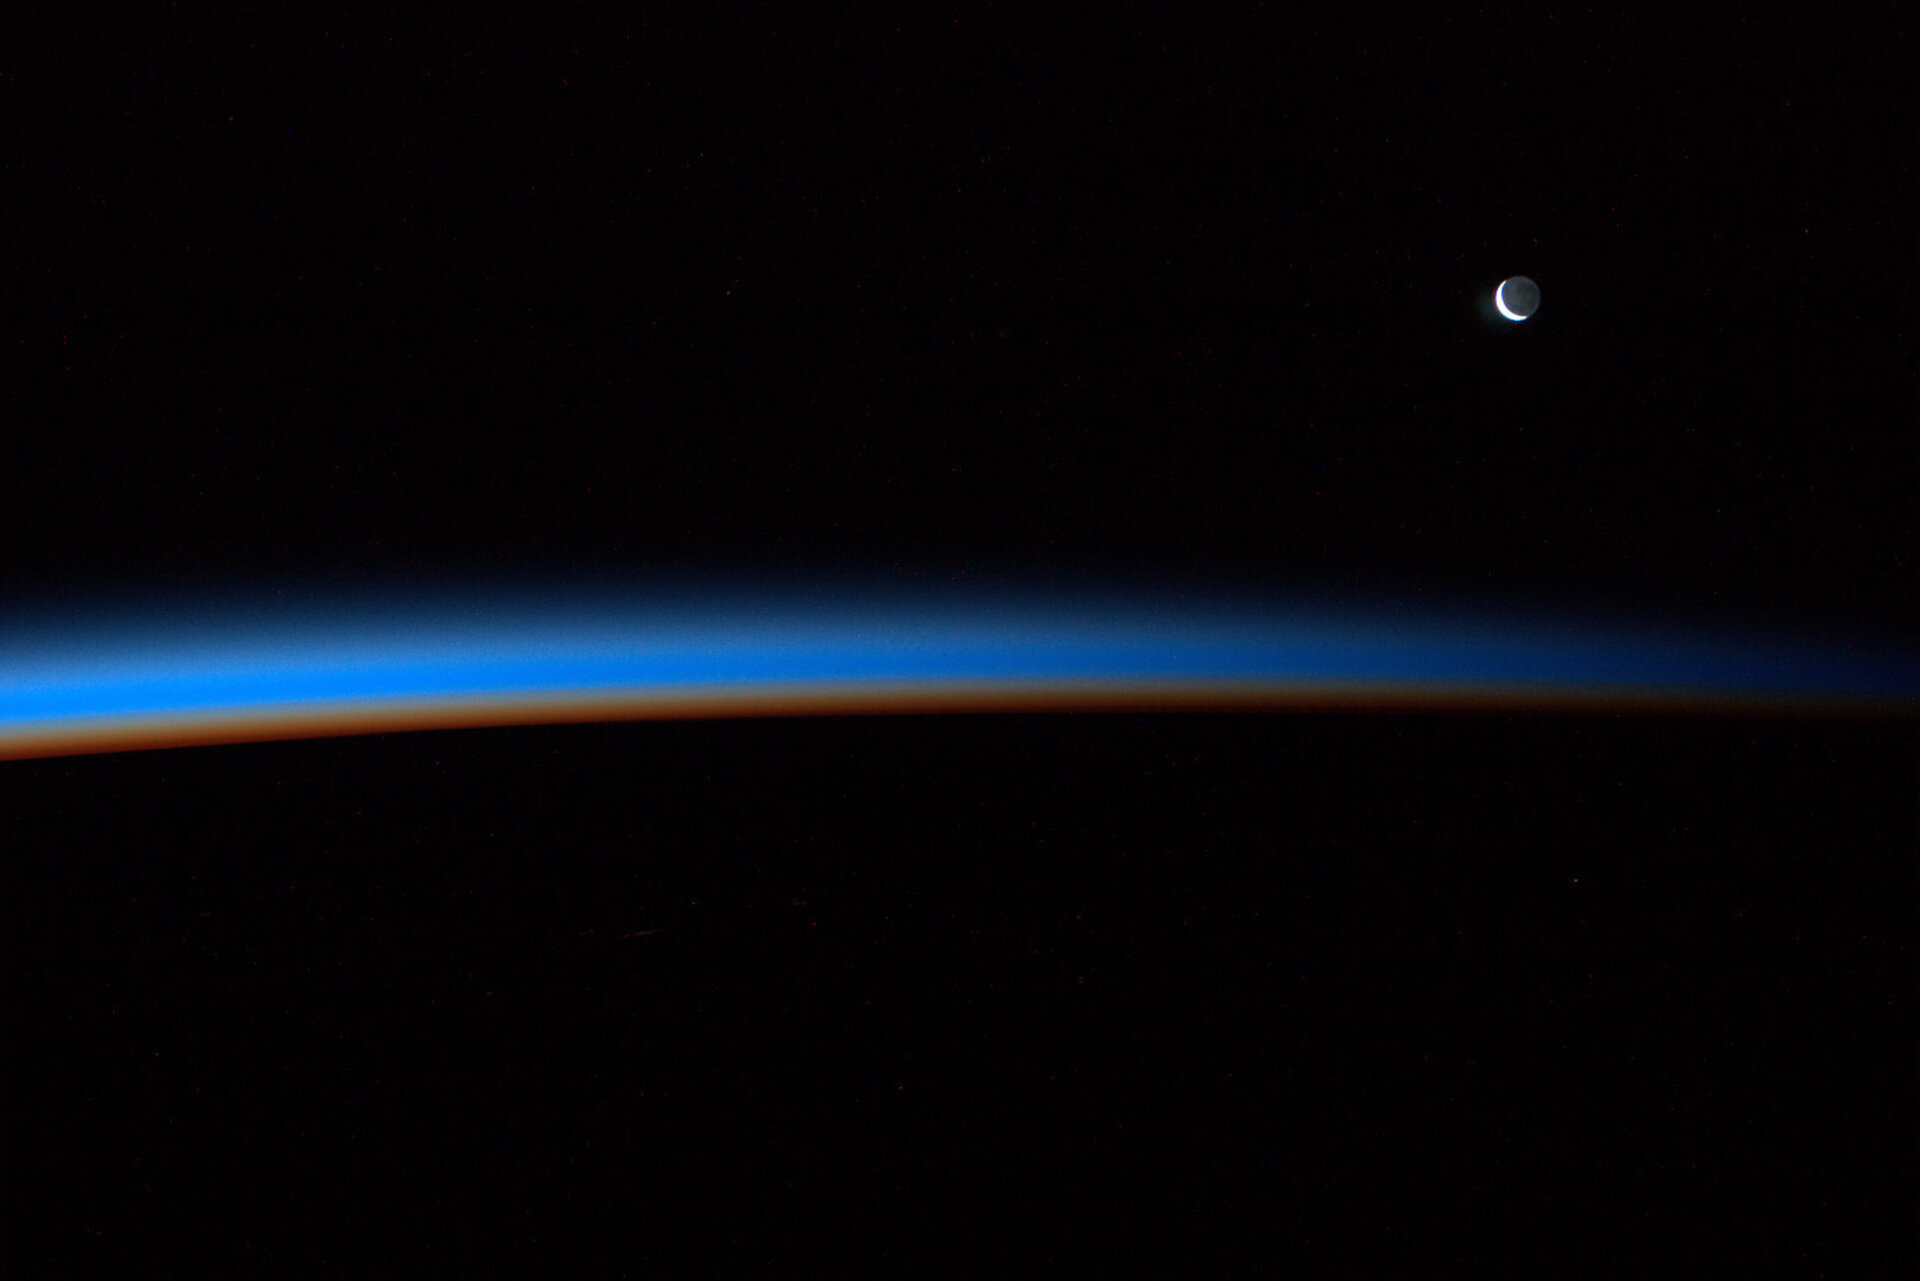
1517	297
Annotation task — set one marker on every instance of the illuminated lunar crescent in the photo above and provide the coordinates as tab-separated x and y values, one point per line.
1517	298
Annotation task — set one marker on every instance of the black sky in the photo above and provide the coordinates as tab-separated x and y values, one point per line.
291	294
979	289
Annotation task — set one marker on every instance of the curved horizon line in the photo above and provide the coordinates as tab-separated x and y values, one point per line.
141	681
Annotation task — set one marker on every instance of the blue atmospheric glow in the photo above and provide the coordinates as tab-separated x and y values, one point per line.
236	659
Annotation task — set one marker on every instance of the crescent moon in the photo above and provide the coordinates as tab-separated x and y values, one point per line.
1500	301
